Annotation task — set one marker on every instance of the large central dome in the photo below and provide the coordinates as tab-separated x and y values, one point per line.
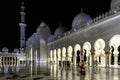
115	4
80	20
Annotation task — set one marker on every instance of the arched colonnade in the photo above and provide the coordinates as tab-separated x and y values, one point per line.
77	53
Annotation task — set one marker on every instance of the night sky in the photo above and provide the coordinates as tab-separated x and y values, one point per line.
53	13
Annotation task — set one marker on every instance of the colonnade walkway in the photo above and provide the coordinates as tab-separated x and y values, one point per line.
23	72
92	73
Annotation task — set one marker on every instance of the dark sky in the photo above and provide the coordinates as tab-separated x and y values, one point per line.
53	13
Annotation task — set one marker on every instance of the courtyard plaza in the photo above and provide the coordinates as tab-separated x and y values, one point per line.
55	72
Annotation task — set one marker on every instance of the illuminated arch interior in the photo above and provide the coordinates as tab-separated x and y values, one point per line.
54	53
87	47
59	53
115	42
51	54
77	47
64	52
70	49
99	46
31	51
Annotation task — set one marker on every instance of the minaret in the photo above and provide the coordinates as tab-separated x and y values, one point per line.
22	29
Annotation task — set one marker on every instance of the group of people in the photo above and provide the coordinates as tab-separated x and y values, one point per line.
81	67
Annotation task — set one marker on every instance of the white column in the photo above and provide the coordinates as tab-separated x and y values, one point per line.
90	60
12	60
15	59
0	59
115	57
6	60
115	60
57	60
61	62
3	60
103	60
66	59
63	59
98	58
51	59
110	60
87	61
75	60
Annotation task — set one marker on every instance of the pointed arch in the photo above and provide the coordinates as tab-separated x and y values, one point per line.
63	52
55	55
59	53
76	48
99	46
70	50
87	47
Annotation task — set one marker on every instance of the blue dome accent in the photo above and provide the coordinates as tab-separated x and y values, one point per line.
115	4
80	20
60	30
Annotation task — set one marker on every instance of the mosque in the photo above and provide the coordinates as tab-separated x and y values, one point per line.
88	40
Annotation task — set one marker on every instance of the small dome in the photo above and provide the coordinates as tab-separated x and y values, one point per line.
5	50
80	20
43	25
43	30
16	50
60	30
114	4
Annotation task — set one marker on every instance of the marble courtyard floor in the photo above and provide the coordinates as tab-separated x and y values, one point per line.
57	73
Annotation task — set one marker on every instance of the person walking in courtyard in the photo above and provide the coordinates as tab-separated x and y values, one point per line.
82	68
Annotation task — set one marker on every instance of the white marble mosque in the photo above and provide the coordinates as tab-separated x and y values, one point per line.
88	40
47	56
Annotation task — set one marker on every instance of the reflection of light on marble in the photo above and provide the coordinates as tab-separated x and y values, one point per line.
0	69
17	68
12	69
1	65
51	70
36	56
31	69
57	71
31	54
6	69
36	68
54	67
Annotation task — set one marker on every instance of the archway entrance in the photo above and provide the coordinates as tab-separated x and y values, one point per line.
112	55
69	56
86	52
114	43
85	58
77	50
100	57
119	55
78	57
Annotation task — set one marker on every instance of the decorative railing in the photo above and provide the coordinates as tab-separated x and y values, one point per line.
96	19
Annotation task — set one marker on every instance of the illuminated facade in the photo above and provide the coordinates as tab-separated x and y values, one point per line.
11	58
88	40
17	56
